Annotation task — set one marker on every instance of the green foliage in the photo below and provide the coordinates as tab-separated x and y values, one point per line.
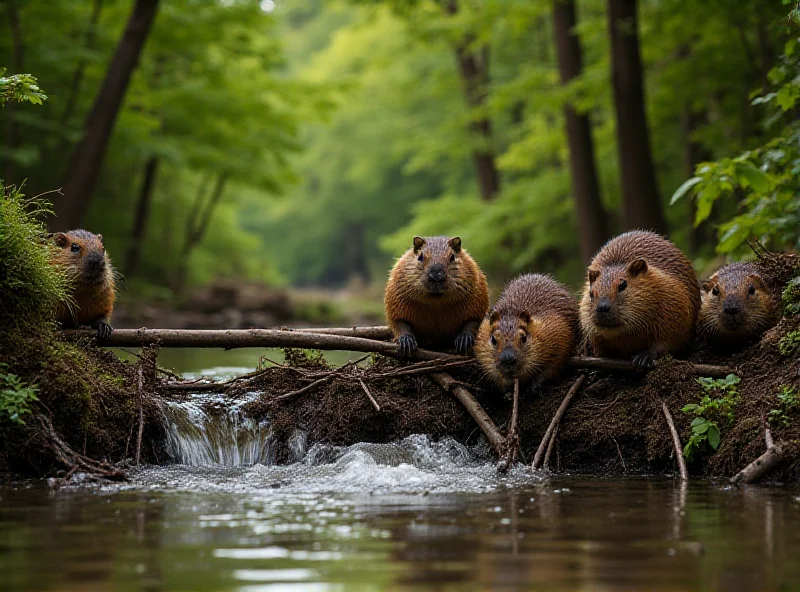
789	344
716	408
766	180
31	287
791	297
15	397
20	88
788	401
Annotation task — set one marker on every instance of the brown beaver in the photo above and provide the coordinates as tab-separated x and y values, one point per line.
738	306
437	294
83	258
530	333
641	298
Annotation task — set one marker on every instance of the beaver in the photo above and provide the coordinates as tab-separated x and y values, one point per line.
738	306
84	259
641	298
530	333
437	294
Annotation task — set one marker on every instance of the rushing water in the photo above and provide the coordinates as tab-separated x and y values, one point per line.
413	515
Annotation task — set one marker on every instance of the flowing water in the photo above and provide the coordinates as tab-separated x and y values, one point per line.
412	515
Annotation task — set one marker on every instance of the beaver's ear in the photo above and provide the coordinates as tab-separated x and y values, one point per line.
419	242
455	243
61	239
525	317
494	316
100	238
757	282
639	266
593	275
709	283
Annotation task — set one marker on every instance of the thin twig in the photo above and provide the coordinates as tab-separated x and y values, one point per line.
512	438
537	458
369	394
139	407
676	442
305	389
550	445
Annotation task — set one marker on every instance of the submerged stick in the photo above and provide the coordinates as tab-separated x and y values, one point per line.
760	467
369	394
474	408
537	459
676	442
512	438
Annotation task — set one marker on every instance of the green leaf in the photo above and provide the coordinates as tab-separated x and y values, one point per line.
713	436
750	176
787	96
689	408
684	189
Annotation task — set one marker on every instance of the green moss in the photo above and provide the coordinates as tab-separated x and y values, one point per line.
789	344
31	286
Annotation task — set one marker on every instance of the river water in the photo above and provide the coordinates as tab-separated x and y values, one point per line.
413	515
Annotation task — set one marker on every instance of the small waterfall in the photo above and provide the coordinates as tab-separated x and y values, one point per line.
207	430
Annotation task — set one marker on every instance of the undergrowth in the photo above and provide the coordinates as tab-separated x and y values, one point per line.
714	411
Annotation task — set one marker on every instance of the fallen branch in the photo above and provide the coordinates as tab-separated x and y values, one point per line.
537	458
760	467
369	394
512	437
239	338
379	332
676	442
626	366
485	423
75	461
550	445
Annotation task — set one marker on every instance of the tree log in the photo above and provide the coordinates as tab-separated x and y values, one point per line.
474	408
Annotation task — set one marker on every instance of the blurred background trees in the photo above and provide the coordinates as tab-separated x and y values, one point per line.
305	142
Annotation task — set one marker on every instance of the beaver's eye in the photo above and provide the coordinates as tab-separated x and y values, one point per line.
75	248
751	290
452	257
523	337
421	257
622	285
715	290
493	340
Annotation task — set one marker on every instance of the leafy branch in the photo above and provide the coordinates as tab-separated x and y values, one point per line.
20	88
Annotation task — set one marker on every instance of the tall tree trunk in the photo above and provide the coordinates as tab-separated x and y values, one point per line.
640	195
80	70
197	225
17	62
473	67
592	219
141	217
87	158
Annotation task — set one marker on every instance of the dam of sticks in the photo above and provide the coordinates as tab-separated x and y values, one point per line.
600	417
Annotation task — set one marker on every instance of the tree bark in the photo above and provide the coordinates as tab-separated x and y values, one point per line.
87	158
141	217
17	62
693	154
80	70
640	195
592	219
473	67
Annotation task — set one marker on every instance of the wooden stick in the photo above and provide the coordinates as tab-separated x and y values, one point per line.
760	467
512	438
767	433
139	405
379	332
369	394
239	338
676	442
537	459
306	388
474	408
626	366
550	445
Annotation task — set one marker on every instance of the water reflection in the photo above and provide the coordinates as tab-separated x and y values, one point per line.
569	534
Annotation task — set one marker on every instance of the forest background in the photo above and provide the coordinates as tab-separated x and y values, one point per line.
304	143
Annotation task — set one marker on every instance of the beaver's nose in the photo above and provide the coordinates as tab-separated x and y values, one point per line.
603	305
437	273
